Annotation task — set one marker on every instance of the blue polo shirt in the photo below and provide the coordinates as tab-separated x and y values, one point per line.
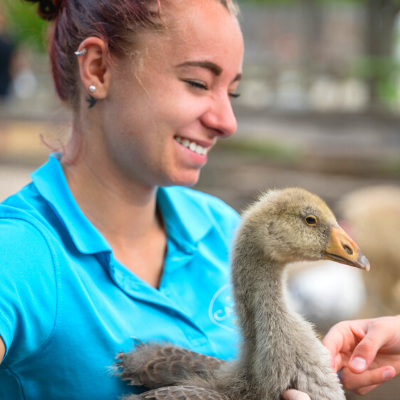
67	306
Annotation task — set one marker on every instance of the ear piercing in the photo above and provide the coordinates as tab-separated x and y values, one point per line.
80	53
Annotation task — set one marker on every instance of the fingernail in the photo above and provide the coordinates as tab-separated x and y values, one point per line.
358	363
388	374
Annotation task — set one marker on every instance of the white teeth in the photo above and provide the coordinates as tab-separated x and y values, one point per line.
193	146
199	149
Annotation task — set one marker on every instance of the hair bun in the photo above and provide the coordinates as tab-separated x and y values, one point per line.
48	9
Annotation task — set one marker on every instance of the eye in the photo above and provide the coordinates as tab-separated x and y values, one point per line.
311	220
197	84
234	95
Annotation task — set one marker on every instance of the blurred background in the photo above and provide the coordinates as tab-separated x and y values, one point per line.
319	108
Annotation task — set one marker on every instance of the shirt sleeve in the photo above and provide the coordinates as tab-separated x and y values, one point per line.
28	290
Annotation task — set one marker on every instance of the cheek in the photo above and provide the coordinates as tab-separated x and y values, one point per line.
169	101
155	111
172	114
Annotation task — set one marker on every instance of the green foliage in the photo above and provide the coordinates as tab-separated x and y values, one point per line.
382	69
265	149
25	25
390	166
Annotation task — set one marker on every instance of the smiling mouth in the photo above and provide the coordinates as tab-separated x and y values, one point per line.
193	146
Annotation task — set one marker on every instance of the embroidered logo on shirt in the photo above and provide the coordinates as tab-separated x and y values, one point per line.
221	309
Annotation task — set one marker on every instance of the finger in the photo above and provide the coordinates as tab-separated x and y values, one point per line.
365	352
354	381
365	390
337	362
333	341
293	394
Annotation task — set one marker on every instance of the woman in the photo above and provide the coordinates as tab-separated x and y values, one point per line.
103	246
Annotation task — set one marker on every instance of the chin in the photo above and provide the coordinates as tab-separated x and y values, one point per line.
186	179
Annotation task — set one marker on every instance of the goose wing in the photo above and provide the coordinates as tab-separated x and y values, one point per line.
180	393
154	365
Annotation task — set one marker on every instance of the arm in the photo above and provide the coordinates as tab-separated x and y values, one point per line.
2	349
27	284
366	352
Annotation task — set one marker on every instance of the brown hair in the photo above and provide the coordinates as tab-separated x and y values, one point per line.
114	21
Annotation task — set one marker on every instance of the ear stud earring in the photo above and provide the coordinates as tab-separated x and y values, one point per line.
92	88
80	53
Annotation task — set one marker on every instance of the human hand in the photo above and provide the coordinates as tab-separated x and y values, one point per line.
295	395
366	352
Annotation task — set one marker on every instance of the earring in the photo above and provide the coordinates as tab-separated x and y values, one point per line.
92	88
80	53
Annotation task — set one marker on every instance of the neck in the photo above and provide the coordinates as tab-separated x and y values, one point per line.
259	287
123	210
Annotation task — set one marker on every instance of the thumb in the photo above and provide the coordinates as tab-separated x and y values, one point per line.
365	352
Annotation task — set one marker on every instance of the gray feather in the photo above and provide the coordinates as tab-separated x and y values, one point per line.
179	393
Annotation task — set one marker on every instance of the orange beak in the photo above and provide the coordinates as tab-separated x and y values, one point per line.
341	248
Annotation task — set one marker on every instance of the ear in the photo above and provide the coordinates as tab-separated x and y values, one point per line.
94	69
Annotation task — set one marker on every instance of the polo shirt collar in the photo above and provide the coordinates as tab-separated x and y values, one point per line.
184	218
51	183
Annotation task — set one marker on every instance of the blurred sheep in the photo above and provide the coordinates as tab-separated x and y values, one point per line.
373	218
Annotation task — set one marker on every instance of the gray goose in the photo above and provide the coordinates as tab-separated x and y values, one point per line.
279	349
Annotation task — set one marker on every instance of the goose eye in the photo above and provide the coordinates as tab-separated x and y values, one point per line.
311	220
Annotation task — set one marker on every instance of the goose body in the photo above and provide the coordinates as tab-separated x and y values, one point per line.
279	348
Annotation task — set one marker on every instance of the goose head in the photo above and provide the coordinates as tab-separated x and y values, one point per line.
295	225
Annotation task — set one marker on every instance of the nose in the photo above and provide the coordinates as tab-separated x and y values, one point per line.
220	117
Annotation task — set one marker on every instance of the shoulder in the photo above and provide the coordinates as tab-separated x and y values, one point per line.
26	250
27	256
18	228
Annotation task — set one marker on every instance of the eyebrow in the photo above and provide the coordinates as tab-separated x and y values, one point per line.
214	68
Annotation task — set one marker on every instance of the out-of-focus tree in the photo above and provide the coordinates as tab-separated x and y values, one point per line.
24	24
381	16
378	68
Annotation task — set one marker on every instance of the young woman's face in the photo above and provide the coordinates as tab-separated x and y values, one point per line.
171	101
